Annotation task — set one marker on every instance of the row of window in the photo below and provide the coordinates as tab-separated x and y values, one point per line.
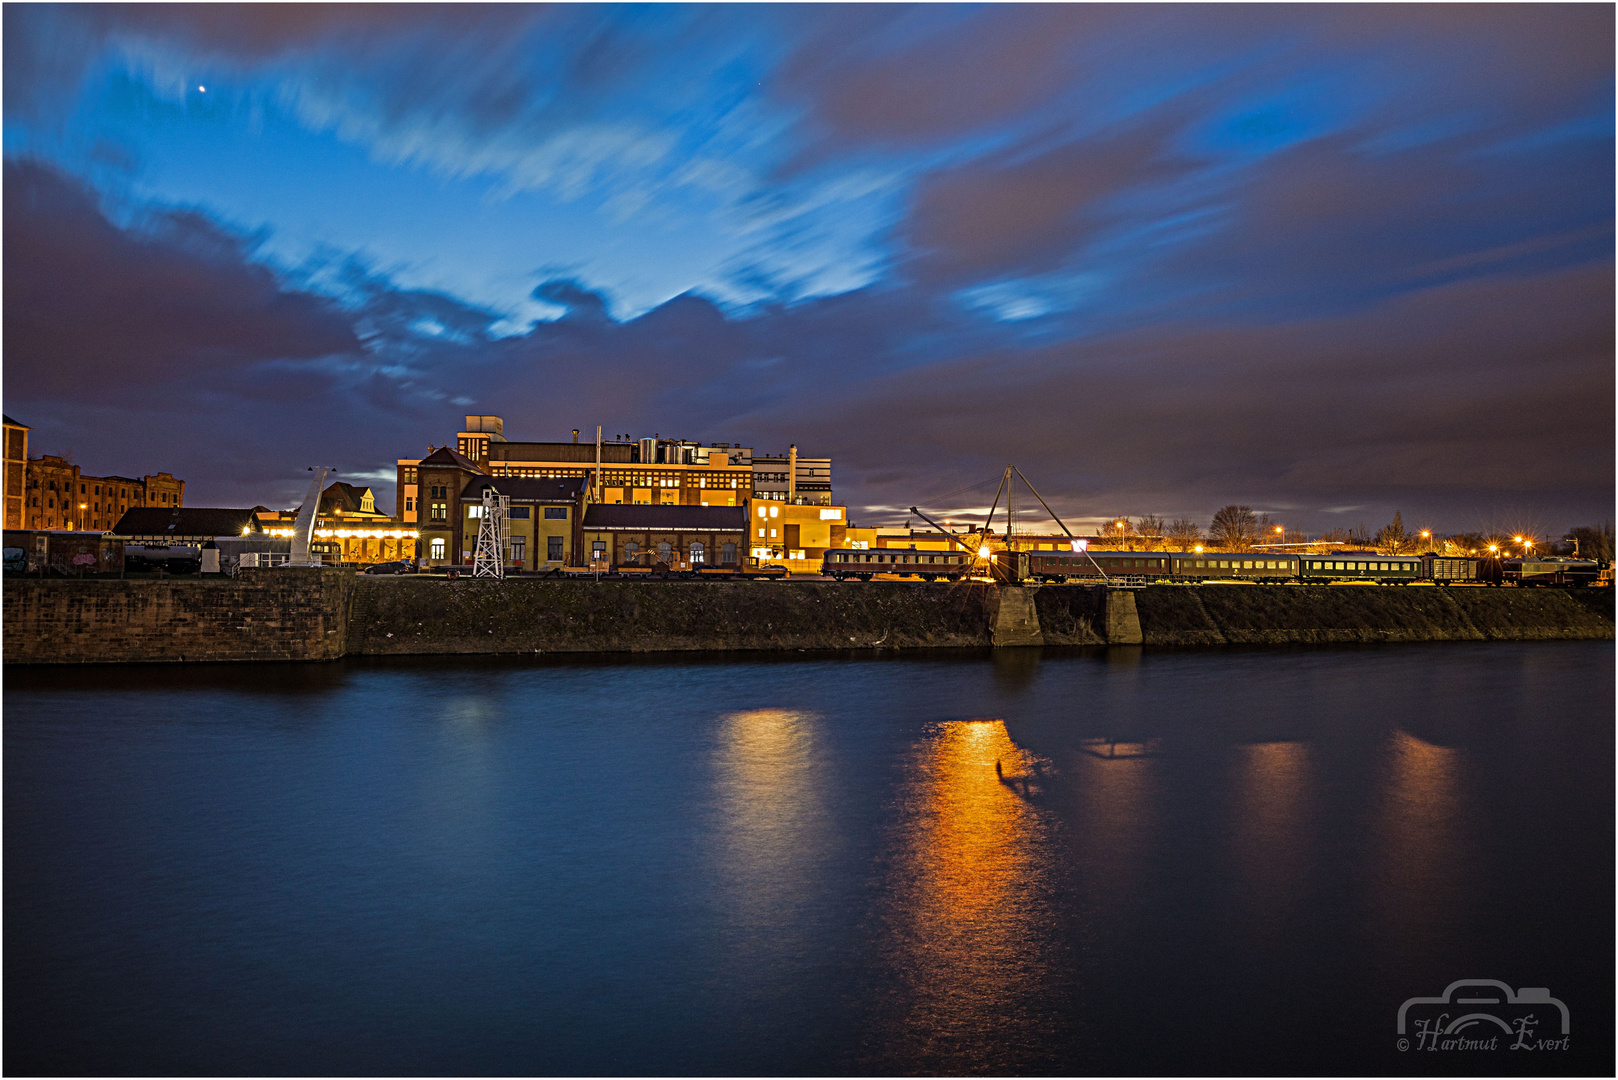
695	552
520	513
891	557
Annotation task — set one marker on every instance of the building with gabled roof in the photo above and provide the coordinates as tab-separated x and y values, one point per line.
545	519
665	537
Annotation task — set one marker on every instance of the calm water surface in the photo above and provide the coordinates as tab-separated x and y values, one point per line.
1213	861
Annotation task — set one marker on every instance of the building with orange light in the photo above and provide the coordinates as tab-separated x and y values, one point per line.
15	477
348	528
60	496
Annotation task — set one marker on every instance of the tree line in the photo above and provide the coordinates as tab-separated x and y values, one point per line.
1240	528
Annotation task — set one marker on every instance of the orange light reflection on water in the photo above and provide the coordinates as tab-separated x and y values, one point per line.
971	882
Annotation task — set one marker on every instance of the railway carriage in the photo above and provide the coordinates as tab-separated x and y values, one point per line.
1096	566
1197	566
863	563
1361	566
1445	569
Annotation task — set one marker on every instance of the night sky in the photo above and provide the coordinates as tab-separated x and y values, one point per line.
1328	262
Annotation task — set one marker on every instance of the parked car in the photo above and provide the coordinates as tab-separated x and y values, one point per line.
398	566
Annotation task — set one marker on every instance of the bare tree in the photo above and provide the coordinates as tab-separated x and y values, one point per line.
1184	534
1120	529
1391	539
1594	541
1234	528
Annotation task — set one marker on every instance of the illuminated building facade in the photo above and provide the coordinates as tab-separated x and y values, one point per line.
643	472
59	496
14	494
546	520
348	528
788	478
794	535
664	537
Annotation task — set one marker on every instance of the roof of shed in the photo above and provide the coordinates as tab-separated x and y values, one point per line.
564	490
627	516
185	521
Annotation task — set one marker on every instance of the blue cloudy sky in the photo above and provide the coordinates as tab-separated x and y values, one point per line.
1326	261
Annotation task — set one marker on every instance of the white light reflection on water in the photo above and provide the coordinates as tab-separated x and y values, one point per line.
773	834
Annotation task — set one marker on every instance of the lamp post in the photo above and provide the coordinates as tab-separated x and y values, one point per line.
1121	525
81	515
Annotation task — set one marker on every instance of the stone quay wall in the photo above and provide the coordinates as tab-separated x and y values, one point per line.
314	614
279	614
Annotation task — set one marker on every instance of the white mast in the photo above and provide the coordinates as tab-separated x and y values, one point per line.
304	527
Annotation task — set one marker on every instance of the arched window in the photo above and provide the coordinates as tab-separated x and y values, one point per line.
665	551
631	550
727	554
696	552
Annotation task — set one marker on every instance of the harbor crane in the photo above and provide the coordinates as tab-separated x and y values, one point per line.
980	548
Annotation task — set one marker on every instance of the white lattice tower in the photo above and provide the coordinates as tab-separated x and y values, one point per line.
488	559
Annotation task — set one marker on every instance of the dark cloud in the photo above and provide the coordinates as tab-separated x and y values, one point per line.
92	309
580	302
1021	212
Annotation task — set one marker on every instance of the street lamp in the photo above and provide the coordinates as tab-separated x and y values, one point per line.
1121	525
81	515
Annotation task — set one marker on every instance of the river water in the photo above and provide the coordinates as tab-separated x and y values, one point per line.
1203	861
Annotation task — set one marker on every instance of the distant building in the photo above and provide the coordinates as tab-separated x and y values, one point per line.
60	496
672	537
645	472
789	478
15	478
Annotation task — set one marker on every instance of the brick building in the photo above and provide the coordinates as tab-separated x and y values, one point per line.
60	496
14	493
676	537
651	472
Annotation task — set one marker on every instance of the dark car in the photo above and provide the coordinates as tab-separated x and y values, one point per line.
398	566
